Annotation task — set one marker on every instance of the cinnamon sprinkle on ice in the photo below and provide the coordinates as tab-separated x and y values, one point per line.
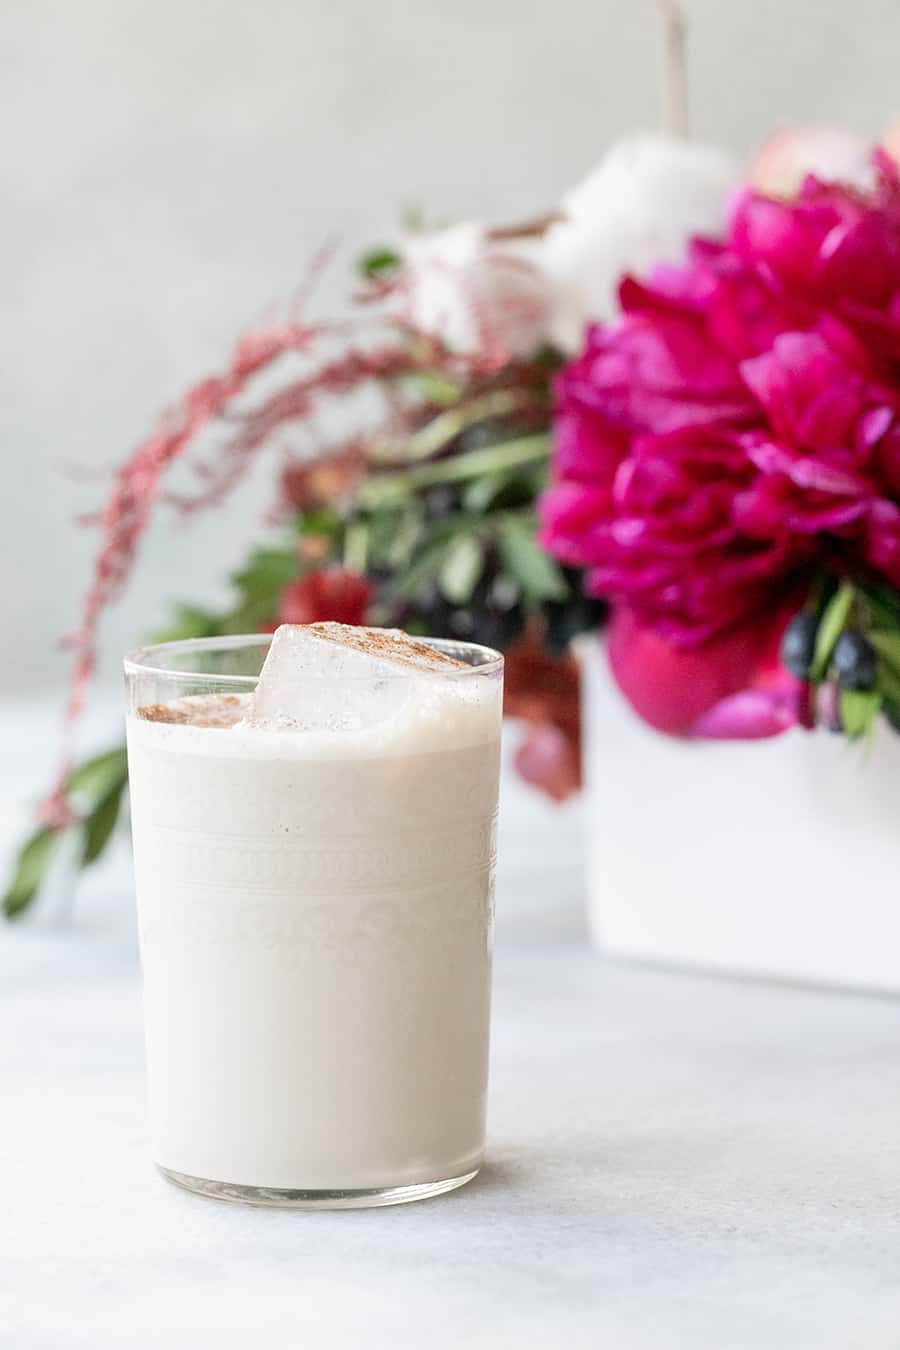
391	644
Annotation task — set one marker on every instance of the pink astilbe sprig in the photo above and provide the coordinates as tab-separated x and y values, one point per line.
137	483
291	405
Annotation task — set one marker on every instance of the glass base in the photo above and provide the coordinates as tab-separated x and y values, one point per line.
269	1197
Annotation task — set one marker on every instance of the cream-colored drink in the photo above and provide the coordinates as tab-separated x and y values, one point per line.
314	873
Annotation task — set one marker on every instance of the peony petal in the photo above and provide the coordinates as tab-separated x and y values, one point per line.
887	460
566	513
586	447
882	539
782	235
873	426
751	715
672	687
861	259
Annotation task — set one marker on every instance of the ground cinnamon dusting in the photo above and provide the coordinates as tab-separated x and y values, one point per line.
222	710
389	643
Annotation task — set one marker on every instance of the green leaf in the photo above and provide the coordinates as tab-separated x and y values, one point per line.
883	603
536	573
385	491
474	463
101	822
268	569
891	709
434	387
887	645
835	617
424	568
392	538
319	520
251	617
462	566
859	708
426	560
259	585
409	534
377	261
94	778
356	546
96	787
190	621
439	431
478	495
510	487
32	865
889	681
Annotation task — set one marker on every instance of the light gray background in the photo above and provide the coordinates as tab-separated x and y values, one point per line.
168	168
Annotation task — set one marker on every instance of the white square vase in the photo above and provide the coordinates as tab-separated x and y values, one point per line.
776	858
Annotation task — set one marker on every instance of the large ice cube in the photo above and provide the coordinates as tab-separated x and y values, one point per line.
330	676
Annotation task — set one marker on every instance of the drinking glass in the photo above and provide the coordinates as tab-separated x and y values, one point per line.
315	914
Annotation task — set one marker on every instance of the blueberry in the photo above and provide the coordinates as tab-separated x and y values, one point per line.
799	644
855	662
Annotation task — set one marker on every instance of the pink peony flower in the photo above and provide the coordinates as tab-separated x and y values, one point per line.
738	426
733	686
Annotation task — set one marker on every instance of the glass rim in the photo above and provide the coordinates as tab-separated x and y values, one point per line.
138	660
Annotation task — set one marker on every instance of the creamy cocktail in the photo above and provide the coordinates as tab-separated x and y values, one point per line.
314	871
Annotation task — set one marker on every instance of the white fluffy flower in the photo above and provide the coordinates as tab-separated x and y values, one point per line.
512	290
474	292
830	153
638	207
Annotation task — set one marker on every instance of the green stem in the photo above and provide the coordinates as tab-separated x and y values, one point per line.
437	433
832	624
356	546
457	469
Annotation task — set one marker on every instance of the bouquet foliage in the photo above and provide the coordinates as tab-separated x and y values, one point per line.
707	451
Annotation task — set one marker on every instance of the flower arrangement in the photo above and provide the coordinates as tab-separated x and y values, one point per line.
720	461
728	454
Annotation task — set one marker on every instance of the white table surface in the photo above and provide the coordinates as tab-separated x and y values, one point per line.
674	1161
